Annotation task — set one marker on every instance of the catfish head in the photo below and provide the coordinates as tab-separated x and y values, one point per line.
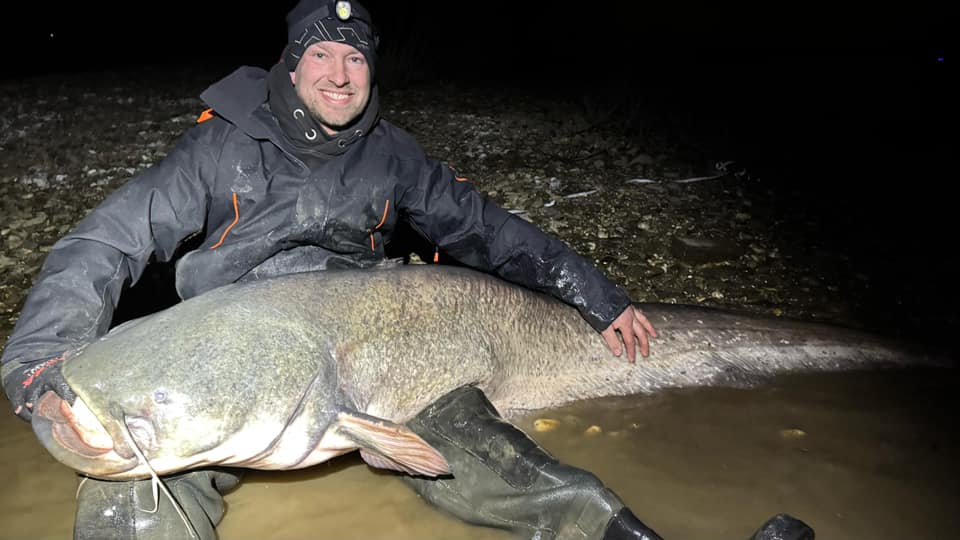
155	430
144	419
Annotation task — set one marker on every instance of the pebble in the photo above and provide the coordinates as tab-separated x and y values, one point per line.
543	425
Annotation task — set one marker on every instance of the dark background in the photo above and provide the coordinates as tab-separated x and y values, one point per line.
887	63
846	112
812	86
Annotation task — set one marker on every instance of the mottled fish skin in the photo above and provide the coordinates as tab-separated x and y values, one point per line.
256	374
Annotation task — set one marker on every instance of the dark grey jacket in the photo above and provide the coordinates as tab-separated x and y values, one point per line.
235	181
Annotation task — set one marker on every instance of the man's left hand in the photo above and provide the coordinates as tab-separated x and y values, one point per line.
635	329
32	379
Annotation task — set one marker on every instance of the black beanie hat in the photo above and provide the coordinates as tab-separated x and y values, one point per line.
343	21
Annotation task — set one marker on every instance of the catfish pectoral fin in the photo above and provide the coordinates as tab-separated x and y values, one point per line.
388	445
374	459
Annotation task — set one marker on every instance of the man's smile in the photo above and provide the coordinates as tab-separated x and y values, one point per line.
335	97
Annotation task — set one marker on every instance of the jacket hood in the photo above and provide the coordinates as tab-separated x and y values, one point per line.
239	98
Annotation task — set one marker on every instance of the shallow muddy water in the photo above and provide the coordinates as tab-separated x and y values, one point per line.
855	455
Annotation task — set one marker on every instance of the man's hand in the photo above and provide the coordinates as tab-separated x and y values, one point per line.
31	380
635	330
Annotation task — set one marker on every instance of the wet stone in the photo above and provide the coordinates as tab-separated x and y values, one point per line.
697	251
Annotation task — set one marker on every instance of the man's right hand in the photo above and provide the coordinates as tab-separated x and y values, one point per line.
635	329
32	379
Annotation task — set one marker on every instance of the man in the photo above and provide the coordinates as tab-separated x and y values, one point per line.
294	170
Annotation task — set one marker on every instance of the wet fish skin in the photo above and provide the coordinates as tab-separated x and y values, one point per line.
291	371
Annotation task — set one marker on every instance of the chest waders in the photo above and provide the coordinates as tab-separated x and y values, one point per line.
127	510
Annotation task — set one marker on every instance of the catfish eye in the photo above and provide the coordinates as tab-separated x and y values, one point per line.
160	396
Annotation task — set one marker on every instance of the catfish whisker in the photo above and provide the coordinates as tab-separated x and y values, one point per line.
83	480
156	482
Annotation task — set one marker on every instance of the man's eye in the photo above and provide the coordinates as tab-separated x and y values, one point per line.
356	59
319	54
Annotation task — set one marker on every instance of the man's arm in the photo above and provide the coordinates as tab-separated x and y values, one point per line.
477	232
74	296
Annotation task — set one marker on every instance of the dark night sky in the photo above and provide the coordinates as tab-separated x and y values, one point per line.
632	34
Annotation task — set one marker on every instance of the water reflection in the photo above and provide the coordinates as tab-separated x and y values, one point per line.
857	455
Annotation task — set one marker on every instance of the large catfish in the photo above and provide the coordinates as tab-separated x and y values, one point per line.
289	372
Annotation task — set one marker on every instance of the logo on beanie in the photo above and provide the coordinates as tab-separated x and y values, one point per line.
343	10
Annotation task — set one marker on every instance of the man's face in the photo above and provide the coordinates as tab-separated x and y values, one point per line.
333	80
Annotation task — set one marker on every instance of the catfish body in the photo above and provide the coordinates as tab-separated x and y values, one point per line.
290	371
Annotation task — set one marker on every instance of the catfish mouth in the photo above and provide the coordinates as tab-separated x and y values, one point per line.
74	436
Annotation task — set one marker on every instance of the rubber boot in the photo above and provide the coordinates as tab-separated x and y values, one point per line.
124	510
502	478
783	527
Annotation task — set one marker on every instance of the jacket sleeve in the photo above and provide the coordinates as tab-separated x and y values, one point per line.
73	297
478	233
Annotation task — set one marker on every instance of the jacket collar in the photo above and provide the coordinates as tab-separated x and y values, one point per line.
242	98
